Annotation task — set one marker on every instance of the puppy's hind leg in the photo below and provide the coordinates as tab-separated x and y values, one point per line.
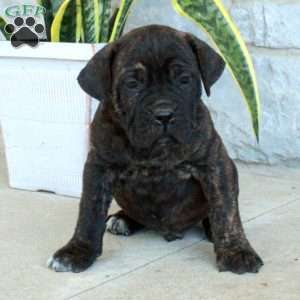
121	224
207	229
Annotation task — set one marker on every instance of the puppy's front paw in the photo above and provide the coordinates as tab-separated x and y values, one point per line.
75	257
239	261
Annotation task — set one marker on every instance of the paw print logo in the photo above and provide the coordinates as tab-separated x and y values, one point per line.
24	31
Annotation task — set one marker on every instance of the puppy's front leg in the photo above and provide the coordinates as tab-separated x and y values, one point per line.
86	244
220	184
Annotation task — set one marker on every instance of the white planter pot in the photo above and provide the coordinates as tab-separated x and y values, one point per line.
45	116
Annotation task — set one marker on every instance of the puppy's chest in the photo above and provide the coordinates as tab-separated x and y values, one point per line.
167	200
151	186
151	179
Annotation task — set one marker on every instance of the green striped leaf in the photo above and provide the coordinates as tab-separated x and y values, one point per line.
91	20
2	25
63	27
68	25
112	20
58	10
105	18
95	19
48	17
121	19
213	18
79	22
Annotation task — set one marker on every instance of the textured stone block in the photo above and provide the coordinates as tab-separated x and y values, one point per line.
282	25
278	77
249	18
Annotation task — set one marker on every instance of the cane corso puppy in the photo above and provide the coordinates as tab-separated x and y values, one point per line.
154	149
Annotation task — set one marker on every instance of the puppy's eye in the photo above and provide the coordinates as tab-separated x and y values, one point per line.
132	84
185	79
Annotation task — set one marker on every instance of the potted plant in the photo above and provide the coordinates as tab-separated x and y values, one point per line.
44	113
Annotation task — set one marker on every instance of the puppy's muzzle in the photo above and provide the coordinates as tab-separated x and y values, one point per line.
164	115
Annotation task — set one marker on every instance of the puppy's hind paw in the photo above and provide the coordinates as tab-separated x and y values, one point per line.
121	224
117	225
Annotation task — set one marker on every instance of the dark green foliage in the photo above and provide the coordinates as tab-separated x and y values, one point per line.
105	20
121	19
2	25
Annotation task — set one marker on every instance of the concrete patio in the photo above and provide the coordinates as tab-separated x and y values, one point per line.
144	266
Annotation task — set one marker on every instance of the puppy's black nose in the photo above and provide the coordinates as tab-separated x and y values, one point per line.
164	116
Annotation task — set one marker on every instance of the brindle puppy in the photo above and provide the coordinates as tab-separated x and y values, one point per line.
155	150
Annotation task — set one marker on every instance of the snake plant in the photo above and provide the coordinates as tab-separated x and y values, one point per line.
86	21
212	17
93	21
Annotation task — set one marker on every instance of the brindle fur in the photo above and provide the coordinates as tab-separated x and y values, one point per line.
167	176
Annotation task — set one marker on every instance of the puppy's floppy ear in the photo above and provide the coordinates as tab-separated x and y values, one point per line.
211	64
96	77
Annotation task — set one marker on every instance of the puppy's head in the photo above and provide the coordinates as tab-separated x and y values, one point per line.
152	77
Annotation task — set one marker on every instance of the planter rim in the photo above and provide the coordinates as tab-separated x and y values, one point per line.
48	50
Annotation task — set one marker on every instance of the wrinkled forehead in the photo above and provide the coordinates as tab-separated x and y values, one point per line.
154	49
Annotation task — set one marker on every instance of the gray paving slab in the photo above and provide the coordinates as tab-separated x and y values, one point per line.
33	225
191	273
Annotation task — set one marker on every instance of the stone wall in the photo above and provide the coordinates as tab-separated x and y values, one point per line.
270	28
